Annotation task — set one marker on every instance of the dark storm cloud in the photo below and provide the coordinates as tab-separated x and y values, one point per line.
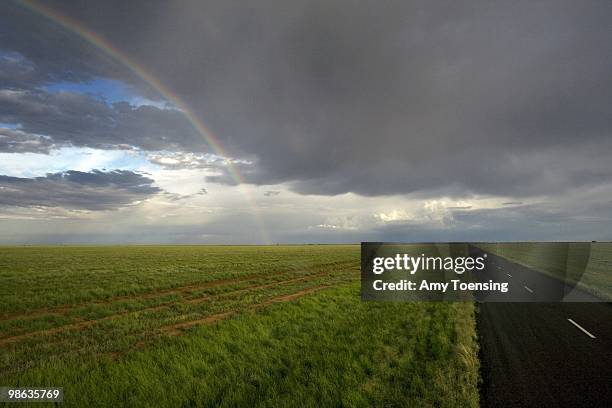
508	98
95	190
16	141
16	71
83	120
35	51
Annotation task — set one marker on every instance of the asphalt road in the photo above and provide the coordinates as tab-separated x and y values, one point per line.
543	354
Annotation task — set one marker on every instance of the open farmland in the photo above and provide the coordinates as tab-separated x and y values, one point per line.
243	325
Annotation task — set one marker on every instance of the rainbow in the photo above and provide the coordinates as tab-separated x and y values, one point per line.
104	45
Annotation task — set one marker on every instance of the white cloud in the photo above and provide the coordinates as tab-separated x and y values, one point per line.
70	158
394	215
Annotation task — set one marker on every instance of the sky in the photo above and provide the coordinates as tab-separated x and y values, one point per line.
329	121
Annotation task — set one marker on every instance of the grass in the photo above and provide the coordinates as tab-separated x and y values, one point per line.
588	265
232	326
46	276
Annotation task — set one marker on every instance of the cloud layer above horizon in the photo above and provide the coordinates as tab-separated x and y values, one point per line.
445	121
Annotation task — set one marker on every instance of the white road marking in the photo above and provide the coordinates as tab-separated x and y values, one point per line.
529	290
581	328
509	275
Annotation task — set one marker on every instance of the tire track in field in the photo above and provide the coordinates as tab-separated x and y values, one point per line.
62	310
87	323
178	328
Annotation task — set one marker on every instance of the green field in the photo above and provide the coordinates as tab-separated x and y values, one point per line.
236	326
588	265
